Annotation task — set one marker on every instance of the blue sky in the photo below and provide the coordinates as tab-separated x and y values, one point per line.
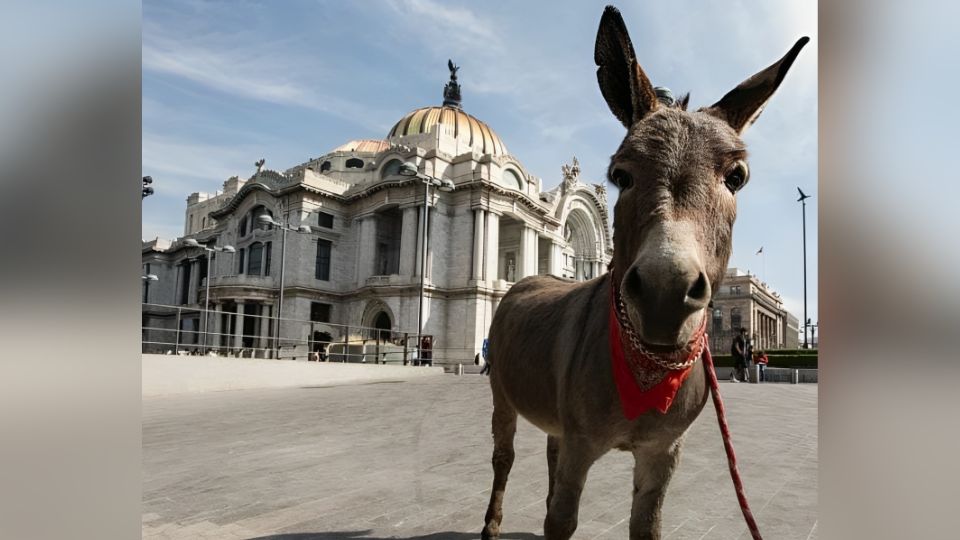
226	83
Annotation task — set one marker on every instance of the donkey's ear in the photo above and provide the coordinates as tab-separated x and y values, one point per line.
742	105
623	84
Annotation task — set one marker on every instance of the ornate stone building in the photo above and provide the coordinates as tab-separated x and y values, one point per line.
745	301
360	264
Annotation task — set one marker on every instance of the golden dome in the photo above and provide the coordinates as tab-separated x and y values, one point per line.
363	145
454	122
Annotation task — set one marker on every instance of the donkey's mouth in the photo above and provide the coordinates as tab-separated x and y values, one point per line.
678	348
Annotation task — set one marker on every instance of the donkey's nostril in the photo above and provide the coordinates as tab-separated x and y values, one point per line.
700	291
633	284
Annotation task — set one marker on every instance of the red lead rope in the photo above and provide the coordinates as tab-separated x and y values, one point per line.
727	445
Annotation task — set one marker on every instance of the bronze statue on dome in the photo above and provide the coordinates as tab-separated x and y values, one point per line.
451	92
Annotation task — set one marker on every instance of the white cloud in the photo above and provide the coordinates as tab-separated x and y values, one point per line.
445	26
260	73
187	166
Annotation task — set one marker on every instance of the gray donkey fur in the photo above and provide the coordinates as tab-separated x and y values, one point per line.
677	173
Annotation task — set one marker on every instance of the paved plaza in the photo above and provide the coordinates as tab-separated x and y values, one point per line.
411	460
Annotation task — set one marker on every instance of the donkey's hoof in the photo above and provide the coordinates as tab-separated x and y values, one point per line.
490	531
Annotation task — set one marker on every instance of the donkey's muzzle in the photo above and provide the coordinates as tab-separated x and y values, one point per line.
667	296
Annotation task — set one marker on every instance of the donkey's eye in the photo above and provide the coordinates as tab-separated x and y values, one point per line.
621	178
737	176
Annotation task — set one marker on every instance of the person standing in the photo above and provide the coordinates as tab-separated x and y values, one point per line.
486	362
426	351
762	361
738	350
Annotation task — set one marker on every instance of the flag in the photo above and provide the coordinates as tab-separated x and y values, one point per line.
760	250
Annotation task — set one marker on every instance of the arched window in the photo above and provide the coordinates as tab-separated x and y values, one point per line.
255	213
354	163
512	180
392	168
325	166
255	266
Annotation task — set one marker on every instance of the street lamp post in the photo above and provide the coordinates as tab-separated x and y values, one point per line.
410	170
266	219
206	303
806	322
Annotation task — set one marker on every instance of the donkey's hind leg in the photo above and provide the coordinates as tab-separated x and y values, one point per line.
504	428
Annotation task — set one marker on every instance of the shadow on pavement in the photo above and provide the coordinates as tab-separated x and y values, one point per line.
362	535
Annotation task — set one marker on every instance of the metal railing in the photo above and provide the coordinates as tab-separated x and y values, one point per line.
169	329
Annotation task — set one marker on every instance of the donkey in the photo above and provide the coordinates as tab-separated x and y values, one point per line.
551	340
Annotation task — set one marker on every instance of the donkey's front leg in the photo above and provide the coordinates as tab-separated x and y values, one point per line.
574	459
553	450
652	471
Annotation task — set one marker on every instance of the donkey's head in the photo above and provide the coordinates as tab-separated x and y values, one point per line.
677	173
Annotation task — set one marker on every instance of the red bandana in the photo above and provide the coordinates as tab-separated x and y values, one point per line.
642	382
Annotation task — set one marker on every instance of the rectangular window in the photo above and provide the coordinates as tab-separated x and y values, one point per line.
269	256
319	312
256	260
323	259
240	268
324	220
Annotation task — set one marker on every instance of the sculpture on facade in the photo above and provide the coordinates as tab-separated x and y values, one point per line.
259	164
615	362
601	192
571	174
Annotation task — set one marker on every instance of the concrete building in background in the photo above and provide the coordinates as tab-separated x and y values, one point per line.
360	265
743	300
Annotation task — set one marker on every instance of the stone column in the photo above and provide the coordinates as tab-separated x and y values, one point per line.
194	281
368	249
492	246
556	259
418	262
431	241
535	260
266	323
213	334
177	285
523	258
779	329
238	330
409	238
478	237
